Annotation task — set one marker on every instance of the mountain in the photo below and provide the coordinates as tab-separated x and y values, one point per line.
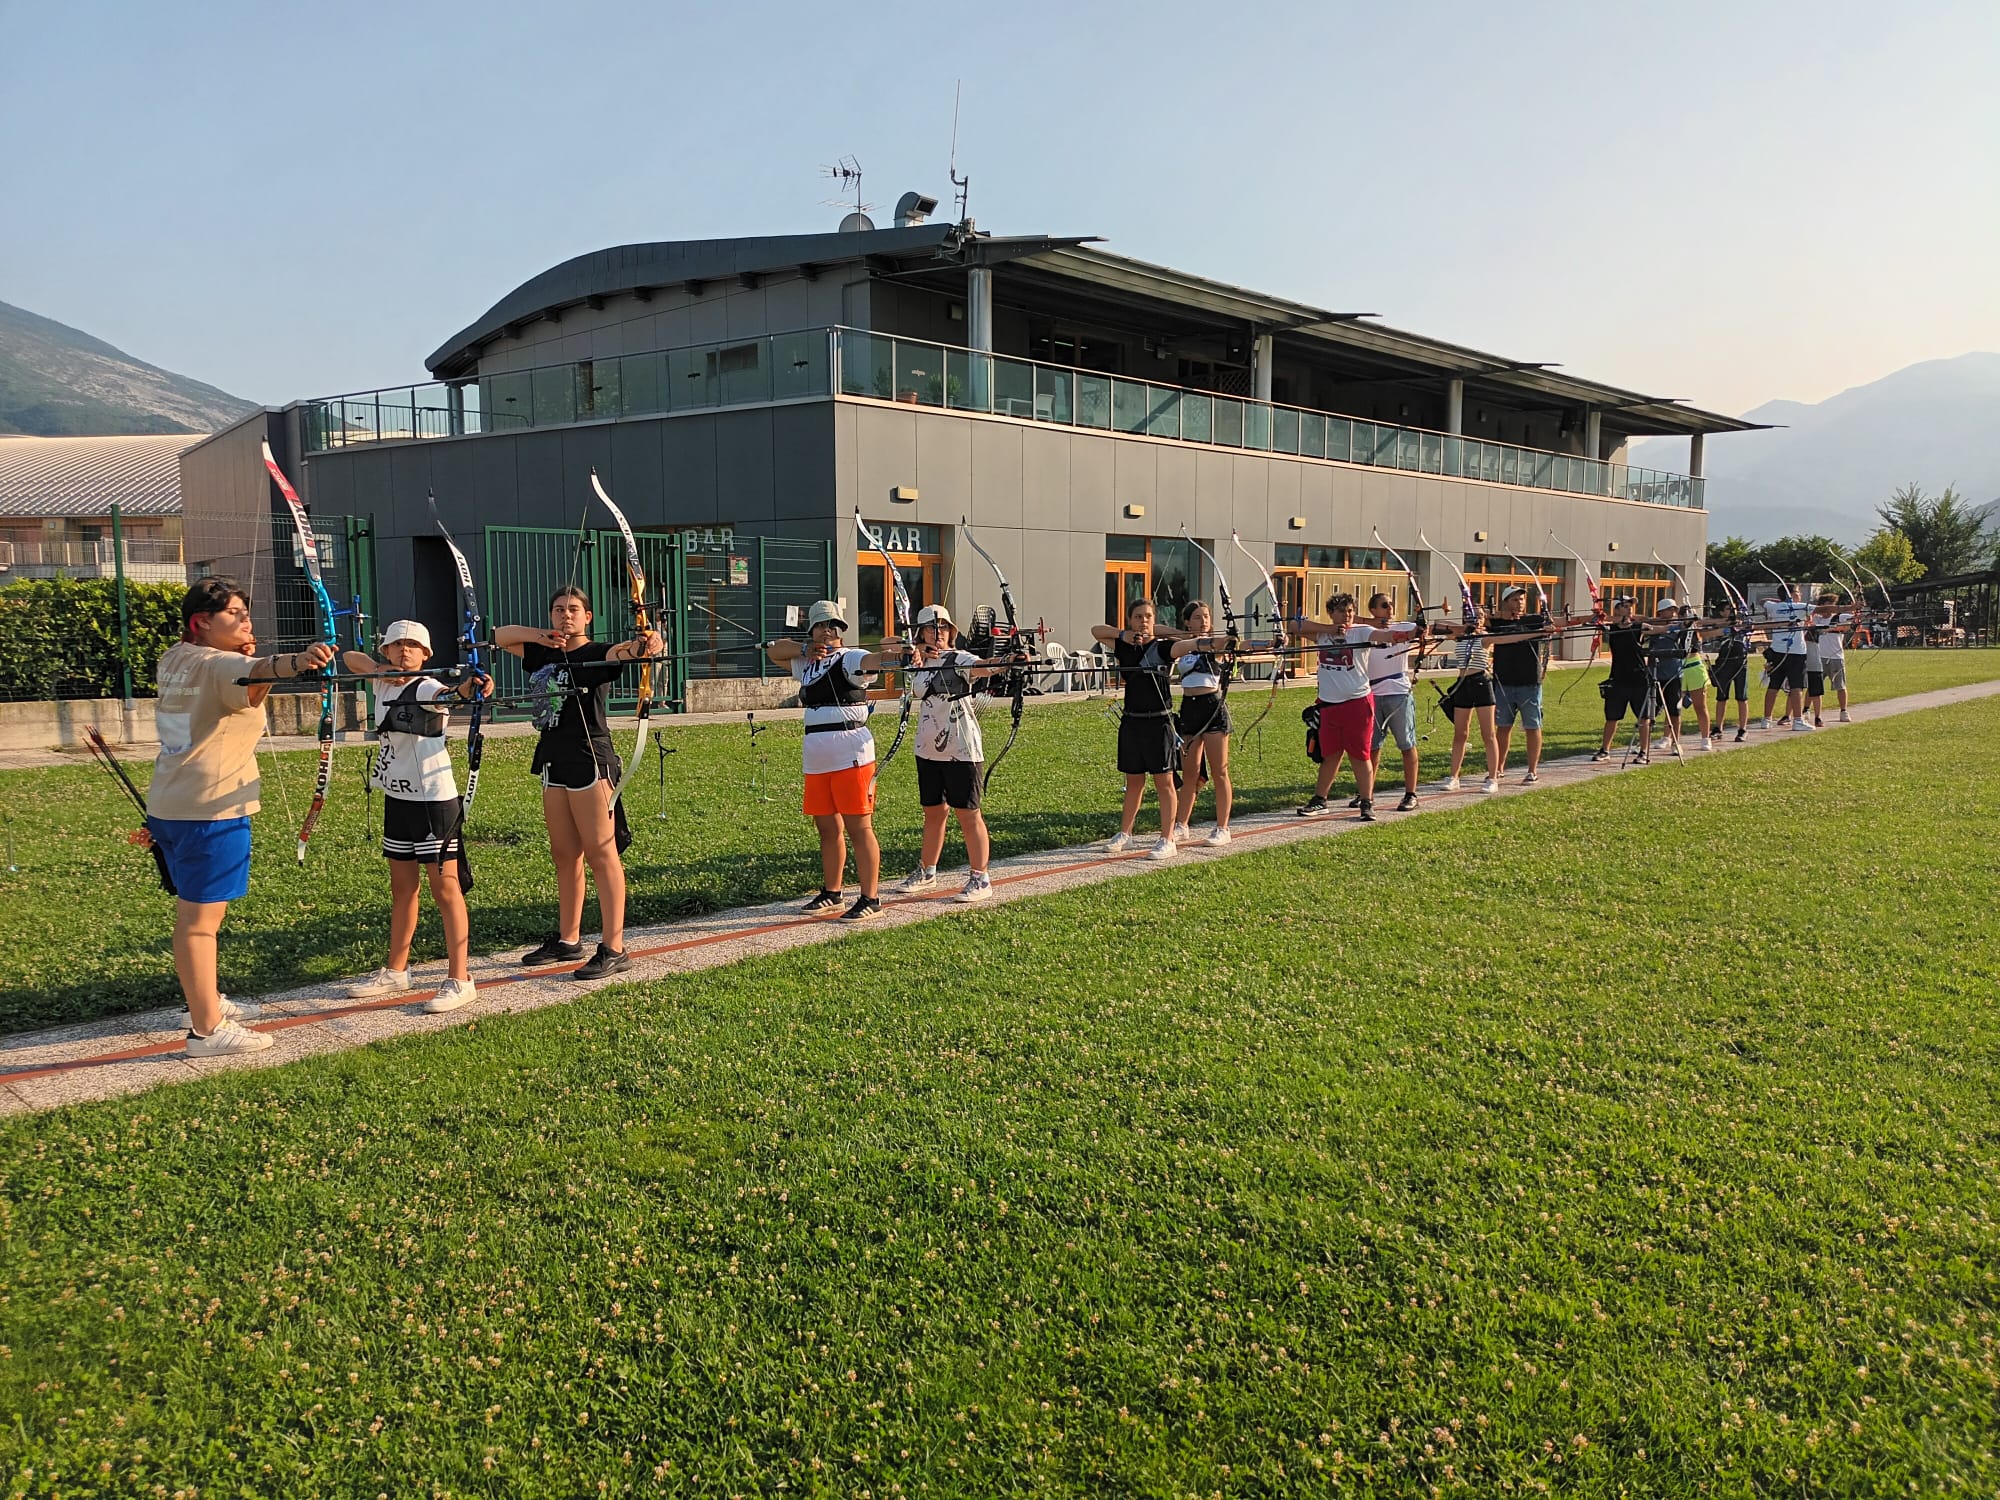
1831	463
58	382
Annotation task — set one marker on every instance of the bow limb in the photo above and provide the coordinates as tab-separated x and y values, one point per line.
1685	596
1422	646
636	575
1278	617
906	628
470	632
1467	603
330	628
1228	609
1596	605
1018	679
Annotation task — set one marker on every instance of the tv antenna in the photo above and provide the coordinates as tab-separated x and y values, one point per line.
846	172
962	186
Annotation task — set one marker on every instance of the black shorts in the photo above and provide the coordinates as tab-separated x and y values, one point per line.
1145	745
949	783
426	833
1788	673
576	767
1203	713
1637	696
1473	690
1815	684
1736	682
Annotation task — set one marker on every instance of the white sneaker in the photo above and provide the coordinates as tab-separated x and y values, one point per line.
921	879
232	1010
227	1040
1800	726
1449	784
1217	837
381	982
450	996
978	886
1180	833
1843	717
1118	843
1165	849
1707	742
1490	784
1764	723
1531	778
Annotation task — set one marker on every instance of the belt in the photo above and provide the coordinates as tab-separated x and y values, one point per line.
835	728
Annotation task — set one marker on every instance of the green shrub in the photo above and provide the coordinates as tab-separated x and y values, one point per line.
59	636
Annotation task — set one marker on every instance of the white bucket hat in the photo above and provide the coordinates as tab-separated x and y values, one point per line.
824	612
936	614
407	630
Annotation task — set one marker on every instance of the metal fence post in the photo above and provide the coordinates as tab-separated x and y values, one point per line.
763	658
124	613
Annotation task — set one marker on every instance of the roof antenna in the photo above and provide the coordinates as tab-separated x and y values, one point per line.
962	185
847	172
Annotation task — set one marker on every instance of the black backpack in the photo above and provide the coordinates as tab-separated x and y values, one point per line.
1309	715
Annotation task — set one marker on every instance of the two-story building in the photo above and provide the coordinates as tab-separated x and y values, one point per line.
1086	413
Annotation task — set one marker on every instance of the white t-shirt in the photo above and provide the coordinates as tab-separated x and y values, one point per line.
1391	668
849	742
1833	638
947	728
411	767
1343	668
1788	641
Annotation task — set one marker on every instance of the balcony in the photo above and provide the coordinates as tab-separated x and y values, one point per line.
147	559
818	362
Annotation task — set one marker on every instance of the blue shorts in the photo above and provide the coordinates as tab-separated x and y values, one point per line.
209	861
1523	702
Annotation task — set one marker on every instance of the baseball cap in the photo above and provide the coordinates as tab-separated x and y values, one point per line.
1667	604
407	630
1513	591
824	612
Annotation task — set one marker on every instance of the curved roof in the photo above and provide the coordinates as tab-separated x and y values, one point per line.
86	476
625	269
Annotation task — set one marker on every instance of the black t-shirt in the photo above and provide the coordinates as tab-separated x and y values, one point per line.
1519	664
1627	661
1731	655
1148	687
585	715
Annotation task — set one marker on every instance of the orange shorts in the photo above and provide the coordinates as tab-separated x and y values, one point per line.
848	791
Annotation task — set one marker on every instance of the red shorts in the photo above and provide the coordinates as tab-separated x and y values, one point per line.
850	791
1347	728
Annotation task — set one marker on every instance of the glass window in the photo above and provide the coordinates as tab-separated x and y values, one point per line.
1093	401
508	400
867	367
1053	399
1013	388
597	388
1124	549
919	373
968	380
1197	418
1128	406
870	605
1288	555
798	364
555	395
1284	430
1176	576
688	382
641	376
1163	411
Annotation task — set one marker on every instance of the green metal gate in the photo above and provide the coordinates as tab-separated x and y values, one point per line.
525	565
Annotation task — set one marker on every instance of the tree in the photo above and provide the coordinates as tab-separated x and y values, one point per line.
1735	559
1945	534
1800	559
1889	553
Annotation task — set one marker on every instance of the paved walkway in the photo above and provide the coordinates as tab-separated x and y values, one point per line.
128	1054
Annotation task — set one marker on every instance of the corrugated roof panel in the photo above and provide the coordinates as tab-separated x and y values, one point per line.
85	476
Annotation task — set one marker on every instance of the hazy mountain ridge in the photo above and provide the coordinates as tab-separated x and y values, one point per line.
57	381
1832	462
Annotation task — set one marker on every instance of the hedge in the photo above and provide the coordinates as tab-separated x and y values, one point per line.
59	636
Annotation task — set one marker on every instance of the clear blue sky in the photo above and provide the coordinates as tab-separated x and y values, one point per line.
1727	202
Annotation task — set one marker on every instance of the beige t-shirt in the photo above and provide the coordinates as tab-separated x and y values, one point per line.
207	766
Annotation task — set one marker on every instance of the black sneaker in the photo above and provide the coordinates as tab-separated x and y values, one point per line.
824	901
554	951
1367	811
603	962
1316	808
1601	755
864	908
1739	736
1355	800
1408	803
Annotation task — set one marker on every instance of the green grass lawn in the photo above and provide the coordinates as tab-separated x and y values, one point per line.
73	954
1634	1138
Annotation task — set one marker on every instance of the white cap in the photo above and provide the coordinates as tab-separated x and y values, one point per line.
1666	604
936	614
407	630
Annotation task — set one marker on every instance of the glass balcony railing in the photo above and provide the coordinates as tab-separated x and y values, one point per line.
924	374
817	362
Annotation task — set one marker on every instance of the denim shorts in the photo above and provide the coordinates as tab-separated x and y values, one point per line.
1395	714
210	861
1524	702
